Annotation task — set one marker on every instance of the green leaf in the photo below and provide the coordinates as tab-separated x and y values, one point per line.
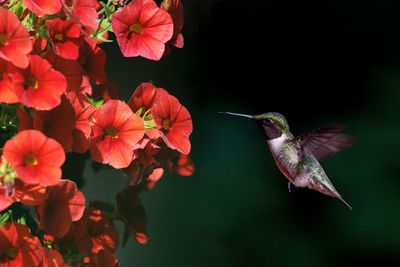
96	103
29	21
17	7
22	220
109	9
5	217
73	256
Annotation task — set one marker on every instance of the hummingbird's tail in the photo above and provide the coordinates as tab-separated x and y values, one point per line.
331	191
322	184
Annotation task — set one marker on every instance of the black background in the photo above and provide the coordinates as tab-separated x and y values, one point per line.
316	62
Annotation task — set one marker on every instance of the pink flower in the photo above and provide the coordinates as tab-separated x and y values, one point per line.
142	29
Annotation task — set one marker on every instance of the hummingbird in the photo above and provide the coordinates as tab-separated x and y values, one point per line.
297	157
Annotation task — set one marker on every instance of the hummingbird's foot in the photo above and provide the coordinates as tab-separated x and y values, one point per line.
290	187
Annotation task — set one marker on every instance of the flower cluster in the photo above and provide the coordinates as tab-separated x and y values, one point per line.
56	100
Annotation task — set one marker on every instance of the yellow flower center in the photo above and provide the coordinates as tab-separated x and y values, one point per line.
3	38
111	131
30	159
136	28
31	82
59	37
166	124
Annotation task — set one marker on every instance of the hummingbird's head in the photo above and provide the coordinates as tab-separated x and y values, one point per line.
272	123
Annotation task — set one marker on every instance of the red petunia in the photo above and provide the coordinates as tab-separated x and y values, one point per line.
93	59
82	131
102	258
154	177
132	213
36	158
71	69
65	38
174	123
145	96
94	232
10	77
175	9
81	11
25	120
57	123
29	194
184	165
18	247
52	258
142	29
15	44
39	45
18	191
106	91
43	7
64	205
116	129
43	85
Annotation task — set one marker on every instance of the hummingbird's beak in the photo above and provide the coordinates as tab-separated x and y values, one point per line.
238	114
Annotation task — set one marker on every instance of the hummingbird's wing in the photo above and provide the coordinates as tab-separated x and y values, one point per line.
324	142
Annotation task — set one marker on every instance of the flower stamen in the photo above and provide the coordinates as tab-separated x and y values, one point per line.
30	159
136	28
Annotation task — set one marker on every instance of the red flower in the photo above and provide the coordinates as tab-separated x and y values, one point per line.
93	59
144	97
175	9
15	44
106	91
142	29
174	123
154	177
57	123
94	232
18	247
10	75
71	69
25	121
116	129
52	258
5	198
102	258
43	7
65	38
145	151
81	12
18	191
43	85
82	131
184	166
39	45
29	194
133	214
86	87
64	204
35	157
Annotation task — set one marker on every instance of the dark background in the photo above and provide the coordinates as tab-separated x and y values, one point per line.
317	62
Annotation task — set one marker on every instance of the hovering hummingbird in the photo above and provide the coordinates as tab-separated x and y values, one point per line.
297	156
